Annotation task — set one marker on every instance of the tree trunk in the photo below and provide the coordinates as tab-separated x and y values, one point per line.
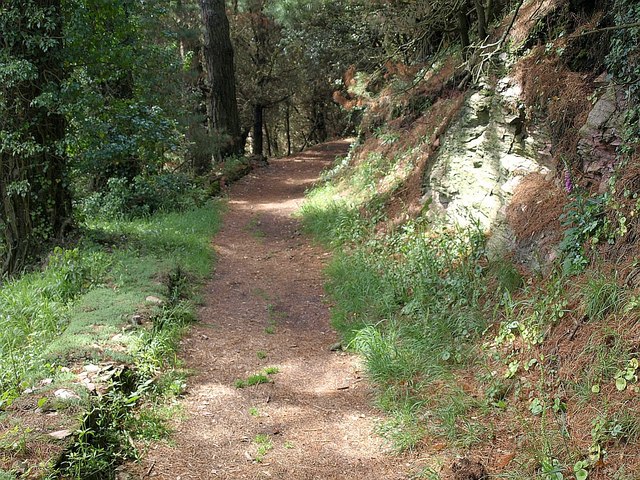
267	135
258	122
482	20
489	11
463	28
287	120
218	55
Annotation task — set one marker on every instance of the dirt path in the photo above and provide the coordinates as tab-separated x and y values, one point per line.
267	298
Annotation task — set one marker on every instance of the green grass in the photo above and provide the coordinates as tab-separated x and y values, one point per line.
263	446
251	380
435	317
253	227
79	310
261	354
602	296
257	378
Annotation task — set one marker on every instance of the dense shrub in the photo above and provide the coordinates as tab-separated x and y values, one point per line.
143	196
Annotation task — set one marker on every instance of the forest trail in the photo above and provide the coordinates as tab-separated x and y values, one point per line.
266	298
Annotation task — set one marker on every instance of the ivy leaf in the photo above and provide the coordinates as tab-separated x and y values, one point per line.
581	474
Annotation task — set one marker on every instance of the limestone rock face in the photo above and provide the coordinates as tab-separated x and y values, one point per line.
484	156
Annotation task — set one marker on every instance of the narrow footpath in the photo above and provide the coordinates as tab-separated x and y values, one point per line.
265	307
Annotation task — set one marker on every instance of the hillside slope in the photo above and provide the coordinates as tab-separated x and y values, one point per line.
486	263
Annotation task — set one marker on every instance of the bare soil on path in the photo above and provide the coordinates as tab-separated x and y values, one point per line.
266	300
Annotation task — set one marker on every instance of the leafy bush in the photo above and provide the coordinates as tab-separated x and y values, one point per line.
34	308
145	195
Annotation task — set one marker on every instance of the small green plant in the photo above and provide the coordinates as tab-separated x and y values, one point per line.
580	469
627	375
263	444
15	439
551	469
289	445
585	220
252	380
253	411
271	370
261	354
270	329
253	227
427	473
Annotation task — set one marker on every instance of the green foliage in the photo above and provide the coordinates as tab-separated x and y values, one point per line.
623	60
257	378
624	64
252	380
103	441
263	445
584	219
122	97
33	177
143	196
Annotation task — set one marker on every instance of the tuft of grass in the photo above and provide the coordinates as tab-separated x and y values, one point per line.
252	380
257	378
253	227
253	411
263	446
601	296
261	354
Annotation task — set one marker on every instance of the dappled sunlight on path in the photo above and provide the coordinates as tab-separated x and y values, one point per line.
265	307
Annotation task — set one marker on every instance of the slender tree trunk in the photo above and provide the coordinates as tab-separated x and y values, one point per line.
258	122
218	55
489	11
482	19
267	135
463	28
287	121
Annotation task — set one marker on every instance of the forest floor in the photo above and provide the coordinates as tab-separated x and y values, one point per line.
265	314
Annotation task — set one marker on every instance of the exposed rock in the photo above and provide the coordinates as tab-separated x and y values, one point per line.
485	155
64	394
154	300
600	135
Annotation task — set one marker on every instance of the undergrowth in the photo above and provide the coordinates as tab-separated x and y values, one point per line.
467	350
88	306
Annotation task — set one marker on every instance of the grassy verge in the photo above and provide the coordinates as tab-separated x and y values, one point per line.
473	356
101	324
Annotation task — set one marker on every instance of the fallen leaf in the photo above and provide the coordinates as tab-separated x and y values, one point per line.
505	459
438	447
